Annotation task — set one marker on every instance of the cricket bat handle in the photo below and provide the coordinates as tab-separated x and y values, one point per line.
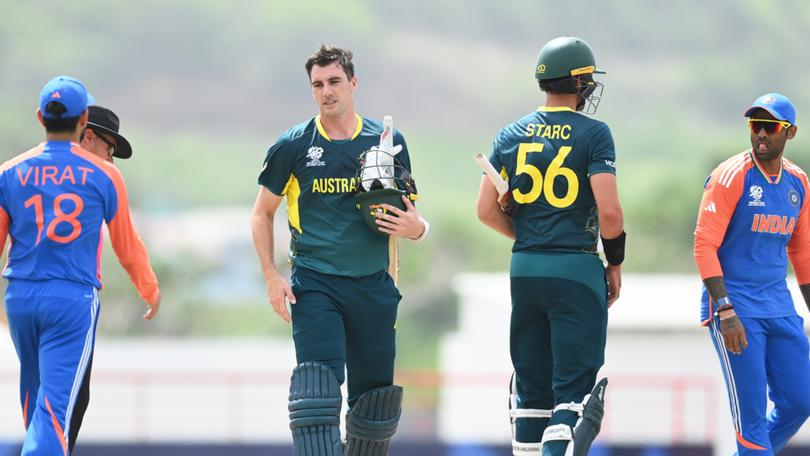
500	184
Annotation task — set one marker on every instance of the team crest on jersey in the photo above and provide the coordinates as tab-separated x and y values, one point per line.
314	155
755	192
793	196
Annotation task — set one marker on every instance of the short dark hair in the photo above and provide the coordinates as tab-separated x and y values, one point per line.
57	123
565	84
327	55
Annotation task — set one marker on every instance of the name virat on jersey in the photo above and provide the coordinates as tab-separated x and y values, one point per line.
41	175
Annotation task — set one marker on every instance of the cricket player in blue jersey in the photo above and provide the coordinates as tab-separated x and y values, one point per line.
54	200
343	298
560	167
753	218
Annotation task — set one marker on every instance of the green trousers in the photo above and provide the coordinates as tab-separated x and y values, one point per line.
557	333
347	322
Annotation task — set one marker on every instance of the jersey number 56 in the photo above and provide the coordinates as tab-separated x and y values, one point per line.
539	185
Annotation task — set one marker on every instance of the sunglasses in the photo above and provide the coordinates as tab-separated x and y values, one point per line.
110	145
770	126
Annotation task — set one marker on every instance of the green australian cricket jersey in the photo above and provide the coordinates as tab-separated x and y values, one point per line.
547	157
317	175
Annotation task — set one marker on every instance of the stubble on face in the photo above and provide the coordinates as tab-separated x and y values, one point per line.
767	147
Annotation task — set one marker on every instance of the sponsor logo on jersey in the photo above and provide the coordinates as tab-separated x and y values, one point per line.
711	207
611	163
770	223
314	155
793	196
755	192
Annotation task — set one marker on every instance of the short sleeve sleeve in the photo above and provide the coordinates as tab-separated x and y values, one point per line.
278	167
603	151
496	157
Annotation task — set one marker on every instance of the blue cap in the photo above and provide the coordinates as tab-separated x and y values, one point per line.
69	92
777	105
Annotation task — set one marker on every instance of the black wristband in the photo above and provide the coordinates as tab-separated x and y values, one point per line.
614	249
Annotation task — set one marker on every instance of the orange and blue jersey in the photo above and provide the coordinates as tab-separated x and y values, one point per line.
54	200
750	224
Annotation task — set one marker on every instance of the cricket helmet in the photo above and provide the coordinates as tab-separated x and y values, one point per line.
567	65
565	56
382	179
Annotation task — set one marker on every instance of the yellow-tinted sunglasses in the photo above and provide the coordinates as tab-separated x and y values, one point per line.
769	125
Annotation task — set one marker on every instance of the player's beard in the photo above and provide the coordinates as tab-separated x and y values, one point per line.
768	153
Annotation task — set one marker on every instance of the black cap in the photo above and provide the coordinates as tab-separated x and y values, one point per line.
105	121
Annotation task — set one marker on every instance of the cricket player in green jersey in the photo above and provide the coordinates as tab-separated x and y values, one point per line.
343	300
561	171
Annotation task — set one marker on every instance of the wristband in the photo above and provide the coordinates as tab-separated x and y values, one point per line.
614	249
723	303
727	316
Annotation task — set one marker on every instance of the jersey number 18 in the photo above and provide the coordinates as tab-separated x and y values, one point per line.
59	217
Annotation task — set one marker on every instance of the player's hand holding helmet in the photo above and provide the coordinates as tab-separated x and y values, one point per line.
382	179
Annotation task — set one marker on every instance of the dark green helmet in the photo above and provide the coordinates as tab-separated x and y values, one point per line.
565	56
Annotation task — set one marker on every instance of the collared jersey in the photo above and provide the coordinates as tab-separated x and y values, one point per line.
748	225
318	177
54	200
547	157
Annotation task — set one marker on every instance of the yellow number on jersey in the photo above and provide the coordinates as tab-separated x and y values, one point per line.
531	170
554	170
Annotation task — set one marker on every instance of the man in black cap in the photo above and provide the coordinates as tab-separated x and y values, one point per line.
101	136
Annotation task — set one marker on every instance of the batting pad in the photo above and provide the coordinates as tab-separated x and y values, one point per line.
372	422
588	426
579	439
314	407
